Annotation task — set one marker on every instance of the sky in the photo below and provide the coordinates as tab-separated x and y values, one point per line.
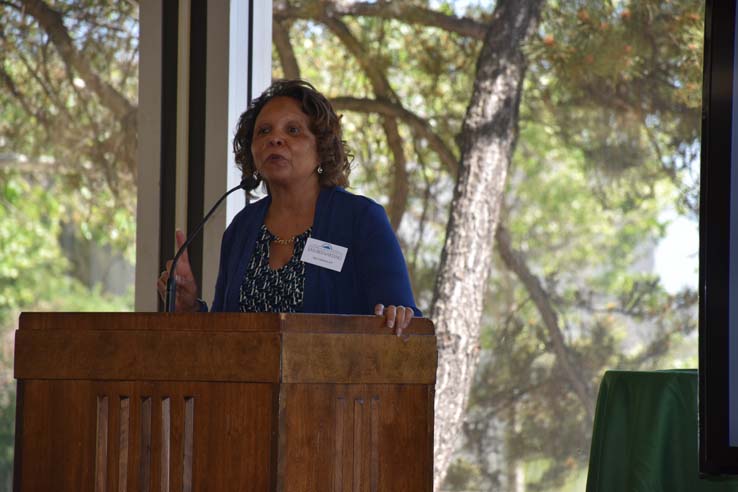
677	254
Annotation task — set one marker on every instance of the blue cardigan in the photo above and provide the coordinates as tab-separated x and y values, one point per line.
374	271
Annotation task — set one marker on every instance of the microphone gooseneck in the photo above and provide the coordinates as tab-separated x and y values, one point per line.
172	281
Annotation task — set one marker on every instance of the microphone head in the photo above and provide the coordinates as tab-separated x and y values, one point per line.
249	182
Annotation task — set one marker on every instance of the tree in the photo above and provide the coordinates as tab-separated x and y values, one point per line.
566	263
489	135
70	76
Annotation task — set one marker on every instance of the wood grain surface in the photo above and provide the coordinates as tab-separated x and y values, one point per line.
229	449
267	322
356	438
358	358
66	353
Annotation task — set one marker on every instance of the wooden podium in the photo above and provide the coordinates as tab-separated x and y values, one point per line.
222	402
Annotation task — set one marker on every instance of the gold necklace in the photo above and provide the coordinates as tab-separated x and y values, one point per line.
283	242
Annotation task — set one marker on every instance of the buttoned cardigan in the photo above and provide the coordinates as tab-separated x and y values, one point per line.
374	270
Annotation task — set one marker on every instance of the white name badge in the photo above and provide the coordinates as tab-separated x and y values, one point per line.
324	254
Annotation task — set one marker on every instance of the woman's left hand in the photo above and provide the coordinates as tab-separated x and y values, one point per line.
397	317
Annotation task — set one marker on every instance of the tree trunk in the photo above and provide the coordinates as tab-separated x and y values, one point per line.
489	135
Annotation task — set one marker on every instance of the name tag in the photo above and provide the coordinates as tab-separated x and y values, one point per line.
324	254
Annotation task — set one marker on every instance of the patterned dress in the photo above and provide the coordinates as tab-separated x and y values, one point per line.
274	291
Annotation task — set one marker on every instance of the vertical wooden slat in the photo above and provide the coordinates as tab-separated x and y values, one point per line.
393	440
166	422
374	445
338	460
275	423
101	454
125	408
358	421
144	476
282	425
189	429
134	441
430	408
113	429
19	438
176	433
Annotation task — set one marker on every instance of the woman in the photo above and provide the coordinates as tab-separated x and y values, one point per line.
309	245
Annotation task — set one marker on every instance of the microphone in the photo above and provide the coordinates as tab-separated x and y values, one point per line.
172	281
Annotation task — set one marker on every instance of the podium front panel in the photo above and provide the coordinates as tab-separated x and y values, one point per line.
356	437
144	436
223	402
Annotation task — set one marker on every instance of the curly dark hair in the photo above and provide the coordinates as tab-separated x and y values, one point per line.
325	124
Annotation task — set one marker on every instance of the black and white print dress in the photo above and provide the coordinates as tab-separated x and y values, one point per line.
274	291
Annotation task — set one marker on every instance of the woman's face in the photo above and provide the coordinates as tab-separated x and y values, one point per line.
283	147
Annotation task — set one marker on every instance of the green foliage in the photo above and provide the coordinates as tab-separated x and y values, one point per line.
610	121
34	271
31	256
7	433
462	475
633	73
55	120
613	314
423	66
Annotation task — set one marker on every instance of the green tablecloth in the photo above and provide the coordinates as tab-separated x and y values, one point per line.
645	435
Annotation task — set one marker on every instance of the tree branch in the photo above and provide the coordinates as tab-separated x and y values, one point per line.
413	264
327	14
515	261
13	89
382	90
412	14
400	189
52	23
419	125
281	39
380	84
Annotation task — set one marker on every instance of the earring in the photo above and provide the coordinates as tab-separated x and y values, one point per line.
320	169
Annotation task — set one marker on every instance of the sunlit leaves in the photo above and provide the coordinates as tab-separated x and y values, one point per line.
50	110
633	91
34	269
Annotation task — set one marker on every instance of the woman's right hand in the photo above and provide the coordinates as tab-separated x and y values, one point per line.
186	298
396	317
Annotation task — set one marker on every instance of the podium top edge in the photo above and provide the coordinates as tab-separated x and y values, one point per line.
246	322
